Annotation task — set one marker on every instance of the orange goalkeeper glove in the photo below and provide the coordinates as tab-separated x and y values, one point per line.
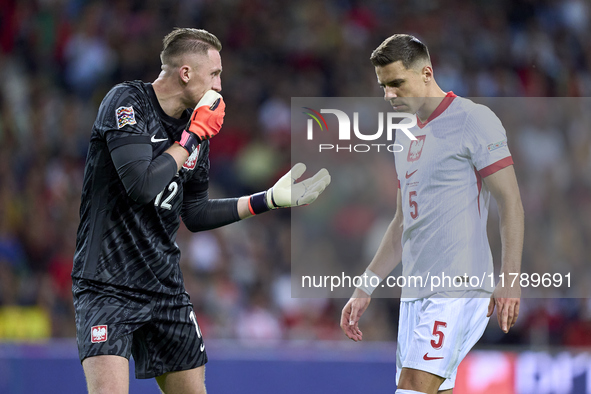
206	121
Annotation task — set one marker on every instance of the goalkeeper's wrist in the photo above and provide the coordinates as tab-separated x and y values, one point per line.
369	282
189	141
270	200
257	203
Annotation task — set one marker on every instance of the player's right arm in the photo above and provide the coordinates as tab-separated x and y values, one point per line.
387	257
127	138
143	176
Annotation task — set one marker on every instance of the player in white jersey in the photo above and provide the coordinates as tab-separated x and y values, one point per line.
446	175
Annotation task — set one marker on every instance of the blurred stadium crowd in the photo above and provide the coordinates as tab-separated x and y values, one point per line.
58	58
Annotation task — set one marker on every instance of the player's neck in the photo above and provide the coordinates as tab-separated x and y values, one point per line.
434	98
169	100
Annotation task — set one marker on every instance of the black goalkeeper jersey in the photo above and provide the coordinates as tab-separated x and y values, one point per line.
120	241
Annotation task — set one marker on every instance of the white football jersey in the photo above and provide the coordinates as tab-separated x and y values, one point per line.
444	200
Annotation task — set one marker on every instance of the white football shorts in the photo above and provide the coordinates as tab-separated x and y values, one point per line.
435	334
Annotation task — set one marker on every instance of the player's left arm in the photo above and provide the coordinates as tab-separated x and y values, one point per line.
200	213
504	188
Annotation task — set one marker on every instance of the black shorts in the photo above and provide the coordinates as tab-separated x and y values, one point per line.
159	330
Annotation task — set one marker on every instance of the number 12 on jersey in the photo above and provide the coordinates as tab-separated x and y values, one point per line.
173	188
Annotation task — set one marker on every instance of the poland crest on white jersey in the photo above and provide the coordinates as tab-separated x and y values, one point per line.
444	200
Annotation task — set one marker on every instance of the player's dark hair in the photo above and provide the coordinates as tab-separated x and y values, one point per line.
402	47
187	40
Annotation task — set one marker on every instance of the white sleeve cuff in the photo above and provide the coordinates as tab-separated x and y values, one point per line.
370	281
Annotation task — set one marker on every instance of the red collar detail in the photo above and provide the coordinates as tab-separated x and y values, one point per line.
449	97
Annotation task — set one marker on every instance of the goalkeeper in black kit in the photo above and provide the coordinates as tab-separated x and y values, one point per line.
147	167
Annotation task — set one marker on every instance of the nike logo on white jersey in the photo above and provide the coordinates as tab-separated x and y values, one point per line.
411	174
159	139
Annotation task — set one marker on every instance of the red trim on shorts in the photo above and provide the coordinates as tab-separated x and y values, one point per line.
494	167
446	102
399	184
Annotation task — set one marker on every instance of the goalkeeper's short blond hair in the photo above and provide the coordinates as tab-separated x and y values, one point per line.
186	40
